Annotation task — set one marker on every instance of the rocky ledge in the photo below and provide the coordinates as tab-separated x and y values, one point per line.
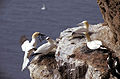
72	59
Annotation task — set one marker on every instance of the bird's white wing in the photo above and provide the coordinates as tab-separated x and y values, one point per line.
25	61
94	44
24	45
43	48
97	42
80	30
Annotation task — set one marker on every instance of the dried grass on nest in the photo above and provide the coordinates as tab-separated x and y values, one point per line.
95	58
48	59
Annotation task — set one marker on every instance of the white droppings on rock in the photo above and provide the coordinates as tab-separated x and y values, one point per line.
91	73
70	66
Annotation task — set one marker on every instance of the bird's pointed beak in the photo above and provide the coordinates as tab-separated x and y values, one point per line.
80	24
41	34
42	37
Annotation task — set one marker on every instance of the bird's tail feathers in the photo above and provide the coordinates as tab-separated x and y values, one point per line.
23	39
36	54
25	63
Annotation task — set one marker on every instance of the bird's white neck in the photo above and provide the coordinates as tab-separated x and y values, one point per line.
51	41
86	25
34	41
87	37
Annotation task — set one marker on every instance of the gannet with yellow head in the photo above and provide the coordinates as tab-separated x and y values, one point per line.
84	24
83	27
95	44
47	47
28	47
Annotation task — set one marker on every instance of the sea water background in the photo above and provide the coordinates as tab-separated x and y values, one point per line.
18	17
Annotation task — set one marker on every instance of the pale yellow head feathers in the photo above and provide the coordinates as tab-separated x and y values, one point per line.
36	34
86	33
87	37
86	24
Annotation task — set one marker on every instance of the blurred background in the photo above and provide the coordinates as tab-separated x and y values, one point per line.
24	17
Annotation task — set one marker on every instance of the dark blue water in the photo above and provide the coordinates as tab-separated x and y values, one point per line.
18	17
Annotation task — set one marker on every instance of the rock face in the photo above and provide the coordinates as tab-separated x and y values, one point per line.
76	60
72	59
44	67
110	10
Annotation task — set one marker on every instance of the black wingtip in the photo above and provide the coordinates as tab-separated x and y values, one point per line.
35	54
23	39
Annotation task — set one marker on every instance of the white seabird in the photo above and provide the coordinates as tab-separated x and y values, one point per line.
28	47
95	44
80	31
83	26
47	47
43	7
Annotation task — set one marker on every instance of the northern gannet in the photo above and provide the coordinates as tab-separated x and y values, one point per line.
95	44
47	47
83	24
28	47
43	7
80	31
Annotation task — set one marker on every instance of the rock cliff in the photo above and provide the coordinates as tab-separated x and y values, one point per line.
72	59
110	10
